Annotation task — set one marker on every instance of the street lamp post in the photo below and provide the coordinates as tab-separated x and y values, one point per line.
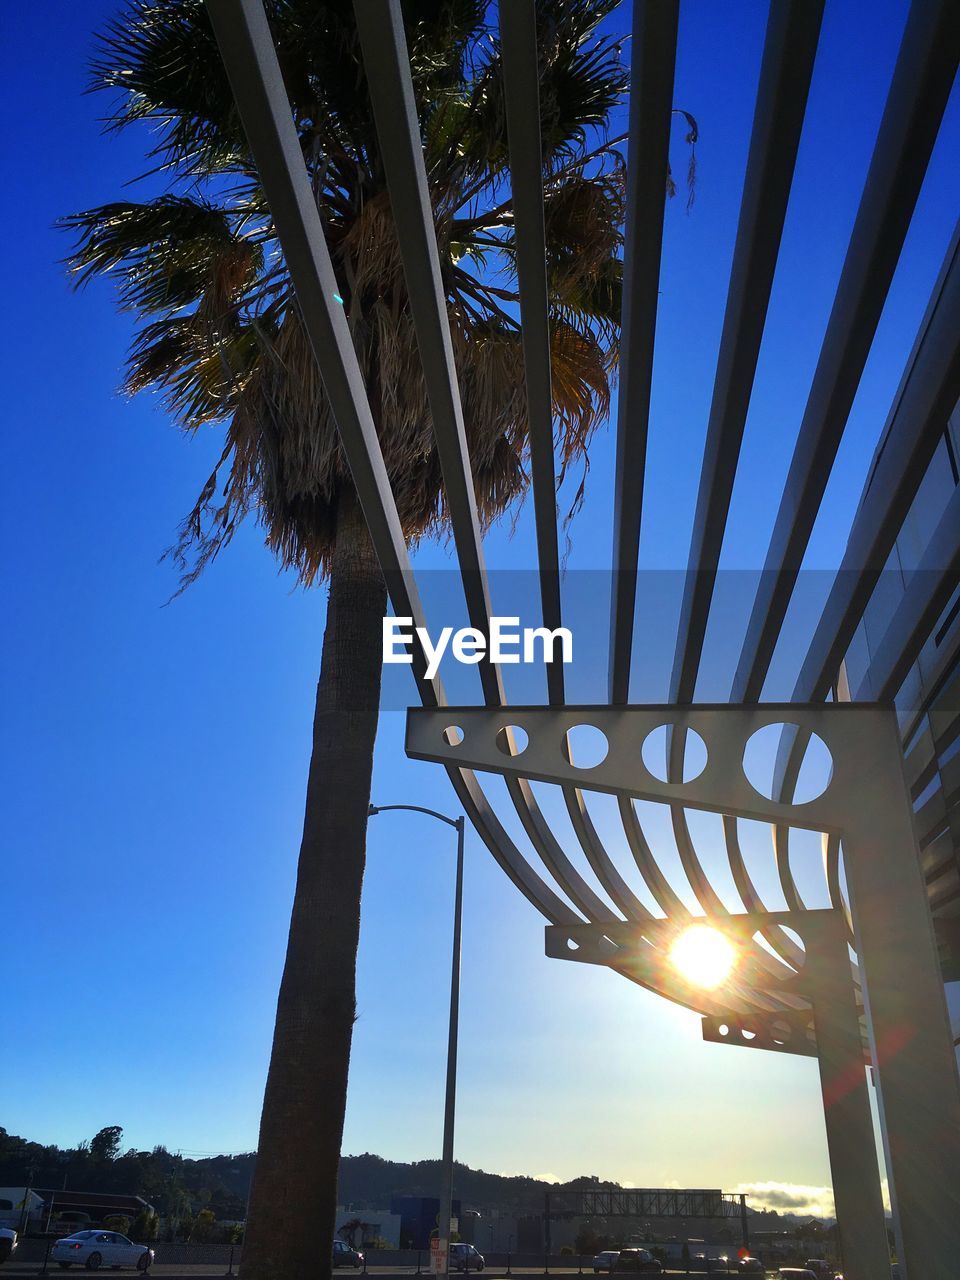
450	1099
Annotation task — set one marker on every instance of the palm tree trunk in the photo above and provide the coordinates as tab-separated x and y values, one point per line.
291	1217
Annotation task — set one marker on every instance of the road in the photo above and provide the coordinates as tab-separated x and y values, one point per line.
178	1271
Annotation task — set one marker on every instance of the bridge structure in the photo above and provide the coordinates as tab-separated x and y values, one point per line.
859	982
645	1203
642	1202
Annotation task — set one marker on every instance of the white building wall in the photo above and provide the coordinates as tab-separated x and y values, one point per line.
380	1222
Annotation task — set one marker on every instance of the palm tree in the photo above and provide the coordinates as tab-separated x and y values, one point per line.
218	334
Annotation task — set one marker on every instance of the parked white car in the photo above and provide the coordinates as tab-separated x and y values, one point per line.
8	1243
95	1249
464	1257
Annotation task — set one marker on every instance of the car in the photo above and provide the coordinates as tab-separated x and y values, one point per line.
606	1260
94	1249
464	1257
8	1243
821	1268
796	1273
638	1260
344	1255
750	1267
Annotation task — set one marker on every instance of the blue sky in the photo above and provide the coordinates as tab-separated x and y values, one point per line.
155	757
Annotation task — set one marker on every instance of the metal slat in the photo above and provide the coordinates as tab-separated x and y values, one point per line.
652	60
488	826
600	861
555	859
518	41
518	37
663	891
384	46
246	47
922	79
789	53
790	47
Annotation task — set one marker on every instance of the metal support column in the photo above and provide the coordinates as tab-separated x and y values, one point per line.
918	1090
827	978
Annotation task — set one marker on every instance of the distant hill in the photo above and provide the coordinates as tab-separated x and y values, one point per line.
174	1183
368	1181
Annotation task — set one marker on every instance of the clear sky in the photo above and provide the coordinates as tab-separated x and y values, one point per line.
155	757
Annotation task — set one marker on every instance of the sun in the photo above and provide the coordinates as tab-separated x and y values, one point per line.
704	956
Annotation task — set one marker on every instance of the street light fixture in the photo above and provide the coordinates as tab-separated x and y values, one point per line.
450	1100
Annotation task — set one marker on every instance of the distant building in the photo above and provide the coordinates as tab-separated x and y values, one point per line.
61	1211
378	1224
12	1207
418	1216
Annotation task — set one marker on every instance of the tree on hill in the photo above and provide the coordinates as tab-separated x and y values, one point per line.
105	1145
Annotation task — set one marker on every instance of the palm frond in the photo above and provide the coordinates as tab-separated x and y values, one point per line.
170	253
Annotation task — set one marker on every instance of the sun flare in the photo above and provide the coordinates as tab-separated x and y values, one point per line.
703	956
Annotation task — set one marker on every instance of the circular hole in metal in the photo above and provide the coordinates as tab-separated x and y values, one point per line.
793	936
775	941
572	944
747	1034
723	1029
586	746
784	755
654	753
512	740
453	735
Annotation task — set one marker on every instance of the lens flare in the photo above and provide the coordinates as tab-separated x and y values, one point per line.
704	956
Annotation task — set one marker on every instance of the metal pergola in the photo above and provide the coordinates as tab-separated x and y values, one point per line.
892	801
